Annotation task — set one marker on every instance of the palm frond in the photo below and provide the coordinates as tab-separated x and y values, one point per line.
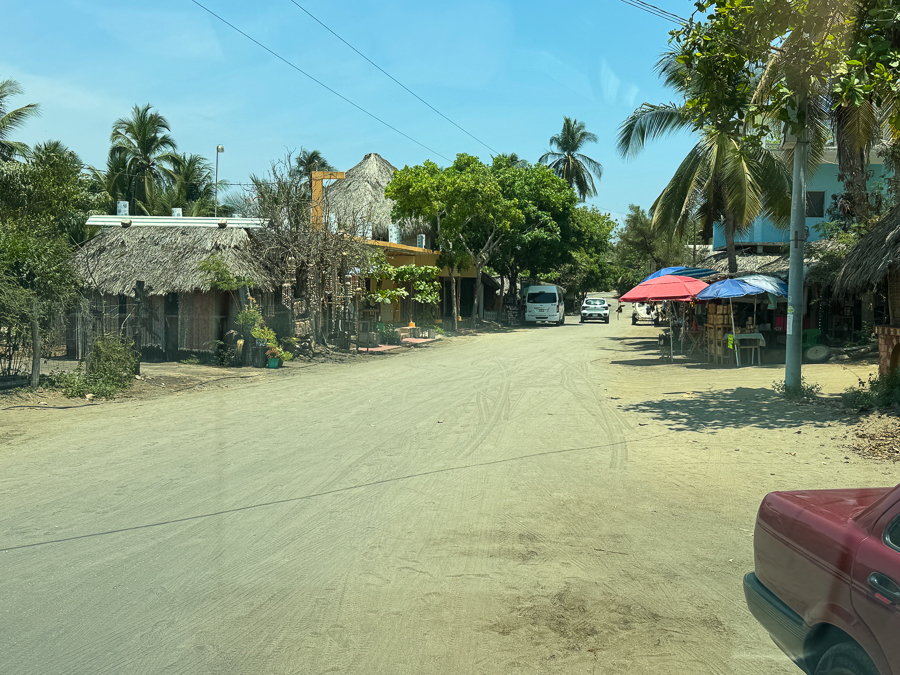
649	122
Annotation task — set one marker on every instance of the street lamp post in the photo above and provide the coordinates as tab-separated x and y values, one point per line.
219	149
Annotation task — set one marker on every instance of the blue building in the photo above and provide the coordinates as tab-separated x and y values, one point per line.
764	237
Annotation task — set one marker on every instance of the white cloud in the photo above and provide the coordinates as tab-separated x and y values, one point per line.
560	72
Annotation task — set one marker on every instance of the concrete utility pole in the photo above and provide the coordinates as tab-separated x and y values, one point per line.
317	178
794	351
219	150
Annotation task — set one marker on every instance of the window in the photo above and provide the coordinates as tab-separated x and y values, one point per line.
892	534
815	204
542	298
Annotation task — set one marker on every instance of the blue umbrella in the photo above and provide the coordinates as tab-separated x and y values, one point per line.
743	287
693	272
769	284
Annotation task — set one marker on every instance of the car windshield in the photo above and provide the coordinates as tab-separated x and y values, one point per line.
542	298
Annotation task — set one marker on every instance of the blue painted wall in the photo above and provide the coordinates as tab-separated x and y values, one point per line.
763	231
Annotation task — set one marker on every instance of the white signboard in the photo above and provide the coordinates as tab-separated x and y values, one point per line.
121	208
394	234
420	241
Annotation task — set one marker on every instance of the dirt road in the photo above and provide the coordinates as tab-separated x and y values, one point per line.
551	500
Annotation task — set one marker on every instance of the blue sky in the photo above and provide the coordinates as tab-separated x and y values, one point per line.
505	71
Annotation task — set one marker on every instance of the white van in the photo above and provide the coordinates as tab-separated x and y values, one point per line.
545	303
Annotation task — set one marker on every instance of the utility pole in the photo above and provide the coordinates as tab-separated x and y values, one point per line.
794	349
219	150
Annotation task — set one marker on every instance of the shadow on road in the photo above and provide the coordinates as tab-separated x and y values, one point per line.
733	408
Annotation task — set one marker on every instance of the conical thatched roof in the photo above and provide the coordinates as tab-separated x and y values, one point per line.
359	196
873	257
166	258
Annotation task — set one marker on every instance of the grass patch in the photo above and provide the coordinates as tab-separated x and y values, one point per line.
802	392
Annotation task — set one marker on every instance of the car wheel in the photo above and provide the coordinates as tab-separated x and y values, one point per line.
581	320
634	321
606	320
847	658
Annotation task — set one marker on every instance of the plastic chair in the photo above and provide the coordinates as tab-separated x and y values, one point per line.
810	337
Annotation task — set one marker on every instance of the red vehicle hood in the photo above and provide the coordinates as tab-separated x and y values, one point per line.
841	504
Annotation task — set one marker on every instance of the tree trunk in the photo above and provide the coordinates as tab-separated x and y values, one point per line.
500	308
513	283
476	302
453	305
35	343
729	243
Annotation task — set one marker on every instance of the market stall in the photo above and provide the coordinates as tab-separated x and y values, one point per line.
727	336
665	288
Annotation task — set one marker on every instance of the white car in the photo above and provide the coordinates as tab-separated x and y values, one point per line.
595	309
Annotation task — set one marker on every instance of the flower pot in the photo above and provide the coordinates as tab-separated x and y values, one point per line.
274	362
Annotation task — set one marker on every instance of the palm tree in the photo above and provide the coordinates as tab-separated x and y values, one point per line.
568	163
723	179
514	160
113	181
149	151
10	120
308	161
56	151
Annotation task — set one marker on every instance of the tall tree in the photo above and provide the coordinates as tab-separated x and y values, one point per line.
11	119
728	177
149	152
567	160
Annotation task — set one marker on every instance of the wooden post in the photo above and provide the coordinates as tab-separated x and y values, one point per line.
35	343
139	323
317	200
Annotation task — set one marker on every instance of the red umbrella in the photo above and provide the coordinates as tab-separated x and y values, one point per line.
669	287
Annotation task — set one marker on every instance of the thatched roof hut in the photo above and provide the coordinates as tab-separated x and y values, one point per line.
753	263
359	196
874	258
165	257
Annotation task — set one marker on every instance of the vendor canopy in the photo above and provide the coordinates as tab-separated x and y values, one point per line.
694	272
668	287
743	287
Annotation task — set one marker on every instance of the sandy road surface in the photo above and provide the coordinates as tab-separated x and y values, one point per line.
549	500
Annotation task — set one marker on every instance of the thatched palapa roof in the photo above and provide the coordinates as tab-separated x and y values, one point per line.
875	256
359	196
165	257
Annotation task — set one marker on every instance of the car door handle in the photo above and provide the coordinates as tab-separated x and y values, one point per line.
885	586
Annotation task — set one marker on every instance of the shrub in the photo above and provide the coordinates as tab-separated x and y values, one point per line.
881	391
109	368
803	392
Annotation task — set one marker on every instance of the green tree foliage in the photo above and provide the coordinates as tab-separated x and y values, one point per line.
542	240
729	176
305	163
44	205
586	265
567	160
142	143
642	248
11	119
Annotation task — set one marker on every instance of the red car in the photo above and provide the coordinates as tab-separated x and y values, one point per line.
827	580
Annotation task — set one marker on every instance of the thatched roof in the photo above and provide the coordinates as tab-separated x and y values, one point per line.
166	258
777	265
359	196
751	263
873	257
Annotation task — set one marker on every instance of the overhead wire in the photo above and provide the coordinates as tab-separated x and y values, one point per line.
655	11
394	79
317	81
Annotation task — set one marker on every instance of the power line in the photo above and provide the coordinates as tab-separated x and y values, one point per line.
301	7
319	82
655	11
